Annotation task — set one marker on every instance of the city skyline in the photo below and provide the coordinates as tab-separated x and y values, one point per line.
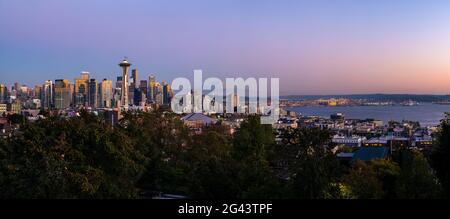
314	47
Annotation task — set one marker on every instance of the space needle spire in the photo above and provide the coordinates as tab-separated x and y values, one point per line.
125	65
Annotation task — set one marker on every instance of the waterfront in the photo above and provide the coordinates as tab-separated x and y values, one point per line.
426	114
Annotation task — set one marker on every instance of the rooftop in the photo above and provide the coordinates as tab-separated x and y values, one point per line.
199	117
371	153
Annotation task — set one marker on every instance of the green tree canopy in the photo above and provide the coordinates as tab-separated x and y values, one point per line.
313	168
440	157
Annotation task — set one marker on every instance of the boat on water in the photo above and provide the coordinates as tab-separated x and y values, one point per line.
442	102
410	103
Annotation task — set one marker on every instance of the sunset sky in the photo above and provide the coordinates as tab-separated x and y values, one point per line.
313	46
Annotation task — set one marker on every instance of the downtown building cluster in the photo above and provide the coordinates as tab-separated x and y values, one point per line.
85	92
110	98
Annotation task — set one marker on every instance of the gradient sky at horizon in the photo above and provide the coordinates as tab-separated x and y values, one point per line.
313	46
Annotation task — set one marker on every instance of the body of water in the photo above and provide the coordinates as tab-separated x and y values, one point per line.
426	114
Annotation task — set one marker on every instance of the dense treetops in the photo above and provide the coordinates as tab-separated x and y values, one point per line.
84	157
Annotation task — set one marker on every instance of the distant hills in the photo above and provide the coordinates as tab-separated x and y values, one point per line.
376	97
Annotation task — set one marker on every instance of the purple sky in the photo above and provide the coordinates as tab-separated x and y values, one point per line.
313	46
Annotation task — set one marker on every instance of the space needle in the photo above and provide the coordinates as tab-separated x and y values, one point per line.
125	65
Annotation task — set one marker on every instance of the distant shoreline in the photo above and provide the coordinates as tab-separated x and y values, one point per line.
376	97
427	114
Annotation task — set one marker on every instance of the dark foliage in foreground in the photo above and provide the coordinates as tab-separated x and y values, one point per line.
440	157
84	157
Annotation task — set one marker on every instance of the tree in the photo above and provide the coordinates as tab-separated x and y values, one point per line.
416	179
162	140
79	157
253	139
212	169
252	146
387	172
16	119
312	167
45	113
364	182
440	157
409	178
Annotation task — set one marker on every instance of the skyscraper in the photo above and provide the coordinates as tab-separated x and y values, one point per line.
151	88
37	92
167	93
234	101
47	95
143	87
135	94
24	89
143	91
159	99
16	89
72	94
93	93
62	94
134	76
125	65
158	94
16	86
3	93
119	82
81	89
106	93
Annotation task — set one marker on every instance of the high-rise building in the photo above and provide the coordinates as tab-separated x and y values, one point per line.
151	88
16	86
140	94
23	89
134	76
119	82
81	89
106	93
37	92
93	93
3	93
85	75
235	102
47	95
135	94
62	94
16	90
117	91
159	99
167	93
116	97
131	91
143	87
125	65
72	94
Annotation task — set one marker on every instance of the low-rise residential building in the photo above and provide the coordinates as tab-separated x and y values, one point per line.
376	142
197	121
350	141
3	108
284	123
